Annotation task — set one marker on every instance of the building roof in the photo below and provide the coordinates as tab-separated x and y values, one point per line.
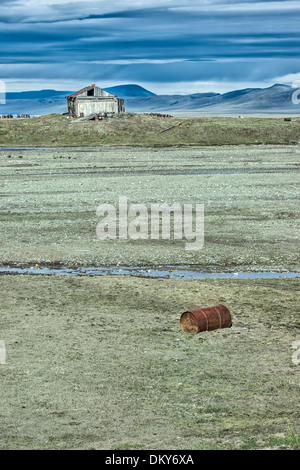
79	92
87	88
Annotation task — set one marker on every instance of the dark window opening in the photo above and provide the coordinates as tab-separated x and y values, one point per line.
90	92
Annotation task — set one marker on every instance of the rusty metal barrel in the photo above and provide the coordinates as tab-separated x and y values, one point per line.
206	319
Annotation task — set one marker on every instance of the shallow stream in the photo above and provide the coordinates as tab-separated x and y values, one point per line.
169	272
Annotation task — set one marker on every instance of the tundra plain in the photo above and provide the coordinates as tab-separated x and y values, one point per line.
101	362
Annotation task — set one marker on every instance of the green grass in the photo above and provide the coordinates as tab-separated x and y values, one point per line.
127	446
144	130
247	442
101	363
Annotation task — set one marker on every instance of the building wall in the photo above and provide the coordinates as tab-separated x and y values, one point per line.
71	106
92	106
94	101
121	105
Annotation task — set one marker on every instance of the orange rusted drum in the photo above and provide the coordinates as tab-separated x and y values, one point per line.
205	319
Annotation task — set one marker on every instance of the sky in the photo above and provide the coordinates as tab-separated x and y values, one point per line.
166	46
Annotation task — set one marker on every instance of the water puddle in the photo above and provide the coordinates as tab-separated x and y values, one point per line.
170	272
24	149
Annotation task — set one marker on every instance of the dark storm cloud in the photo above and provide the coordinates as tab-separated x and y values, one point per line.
221	39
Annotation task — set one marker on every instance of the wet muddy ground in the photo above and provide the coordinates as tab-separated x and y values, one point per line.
48	203
100	362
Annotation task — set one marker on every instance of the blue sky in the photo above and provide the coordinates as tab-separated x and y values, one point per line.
167	46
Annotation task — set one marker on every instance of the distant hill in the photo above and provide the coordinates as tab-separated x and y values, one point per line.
41	94
35	102
275	99
124	91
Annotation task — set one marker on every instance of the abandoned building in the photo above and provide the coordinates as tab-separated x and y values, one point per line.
94	100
